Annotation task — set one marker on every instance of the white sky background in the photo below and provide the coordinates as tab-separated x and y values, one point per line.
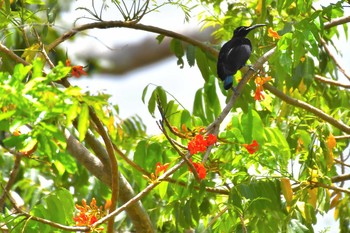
126	90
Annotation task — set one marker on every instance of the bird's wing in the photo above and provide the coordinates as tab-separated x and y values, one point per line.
237	56
233	56
222	61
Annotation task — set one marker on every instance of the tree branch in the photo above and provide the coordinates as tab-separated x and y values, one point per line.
136	212
113	164
340	178
336	22
129	57
317	112
331	81
335	188
12	55
12	178
132	25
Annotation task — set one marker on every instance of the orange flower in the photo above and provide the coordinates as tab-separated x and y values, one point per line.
331	142
272	33
88	214
201	171
200	144
253	147
258	94
260	81
211	139
77	71
161	168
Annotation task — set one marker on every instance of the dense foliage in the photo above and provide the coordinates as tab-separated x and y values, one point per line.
270	159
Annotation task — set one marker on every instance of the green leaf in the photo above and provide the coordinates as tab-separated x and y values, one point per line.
29	86
21	71
252	126
212	101
58	72
152	103
160	92
276	139
84	121
160	38
144	92
191	55
205	207
198	106
72	113
202	64
36	2
295	226
37	68
162	189
140	154
177	48
6	115
60	167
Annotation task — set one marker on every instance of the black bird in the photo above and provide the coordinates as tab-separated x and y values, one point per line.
234	54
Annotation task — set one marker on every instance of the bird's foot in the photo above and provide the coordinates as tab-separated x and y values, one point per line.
235	91
251	68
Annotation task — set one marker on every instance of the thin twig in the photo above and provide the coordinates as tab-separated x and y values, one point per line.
342	137
319	184
217	216
12	178
331	81
183	156
43	49
113	164
340	67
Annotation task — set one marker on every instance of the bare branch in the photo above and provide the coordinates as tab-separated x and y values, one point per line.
342	137
335	188
129	57
331	81
137	26
113	164
12	55
340	178
336	22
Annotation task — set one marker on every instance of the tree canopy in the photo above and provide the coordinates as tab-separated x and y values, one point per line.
271	158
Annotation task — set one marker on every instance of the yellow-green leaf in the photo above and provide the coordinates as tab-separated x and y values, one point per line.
84	122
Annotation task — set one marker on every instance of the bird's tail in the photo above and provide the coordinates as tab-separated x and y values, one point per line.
228	82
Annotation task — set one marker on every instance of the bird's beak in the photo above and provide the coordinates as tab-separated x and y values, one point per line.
255	26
